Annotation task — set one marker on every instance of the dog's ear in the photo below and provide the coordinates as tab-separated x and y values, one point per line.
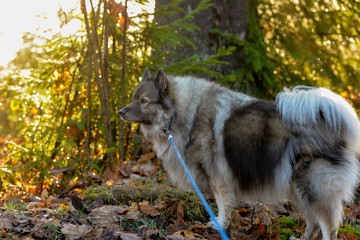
147	75
161	80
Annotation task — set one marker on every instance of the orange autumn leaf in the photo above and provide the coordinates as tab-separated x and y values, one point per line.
34	110
242	210
348	236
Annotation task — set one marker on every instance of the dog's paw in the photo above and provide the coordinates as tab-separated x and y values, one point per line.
212	224
223	224
294	238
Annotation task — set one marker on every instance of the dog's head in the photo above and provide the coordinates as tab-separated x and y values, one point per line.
151	103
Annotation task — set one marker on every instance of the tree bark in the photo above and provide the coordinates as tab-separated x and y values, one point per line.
123	86
105	82
229	16
90	70
88	123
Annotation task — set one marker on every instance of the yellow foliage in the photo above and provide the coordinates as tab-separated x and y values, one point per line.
344	95
34	110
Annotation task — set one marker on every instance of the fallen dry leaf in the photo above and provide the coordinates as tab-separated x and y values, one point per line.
78	204
353	212
56	222
95	233
153	234
257	231
41	231
141	232
206	231
188	234
107	216
178	225
263	215
44	195
149	210
239	222
348	236
149	169
174	209
33	205
7	223
180	237
72	231
126	171
146	157
21	225
127	236
109	209
133	215
32	198
52	200
110	175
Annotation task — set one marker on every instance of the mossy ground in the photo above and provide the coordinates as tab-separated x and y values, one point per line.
194	210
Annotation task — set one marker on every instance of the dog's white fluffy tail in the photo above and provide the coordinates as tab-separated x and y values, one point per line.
310	107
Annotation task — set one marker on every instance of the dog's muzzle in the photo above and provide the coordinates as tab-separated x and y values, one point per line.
122	113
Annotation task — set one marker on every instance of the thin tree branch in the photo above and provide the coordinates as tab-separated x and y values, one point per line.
123	84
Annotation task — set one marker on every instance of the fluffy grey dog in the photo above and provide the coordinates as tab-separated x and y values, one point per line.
302	147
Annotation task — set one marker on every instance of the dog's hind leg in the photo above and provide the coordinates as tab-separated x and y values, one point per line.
329	231
320	189
329	186
324	214
333	184
312	228
306	207
330	217
327	217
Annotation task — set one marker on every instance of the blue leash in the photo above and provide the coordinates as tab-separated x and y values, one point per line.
201	196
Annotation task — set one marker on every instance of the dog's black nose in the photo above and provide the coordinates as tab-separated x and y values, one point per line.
122	111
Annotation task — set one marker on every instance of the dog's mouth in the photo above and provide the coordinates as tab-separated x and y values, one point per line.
124	116
131	118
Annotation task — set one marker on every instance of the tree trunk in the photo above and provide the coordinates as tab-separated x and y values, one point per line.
228	16
88	122
123	85
90	70
105	83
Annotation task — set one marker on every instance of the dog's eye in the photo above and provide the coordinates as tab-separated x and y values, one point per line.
144	100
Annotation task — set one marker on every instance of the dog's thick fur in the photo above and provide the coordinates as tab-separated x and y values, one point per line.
302	147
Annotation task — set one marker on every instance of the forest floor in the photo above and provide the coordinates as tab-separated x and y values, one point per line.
139	203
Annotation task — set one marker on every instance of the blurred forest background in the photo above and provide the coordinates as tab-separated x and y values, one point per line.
59	96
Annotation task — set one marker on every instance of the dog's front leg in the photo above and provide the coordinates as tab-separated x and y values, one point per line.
225	200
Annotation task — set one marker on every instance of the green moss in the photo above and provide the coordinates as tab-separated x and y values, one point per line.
286	233
96	191
351	229
285	226
287	221
193	208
